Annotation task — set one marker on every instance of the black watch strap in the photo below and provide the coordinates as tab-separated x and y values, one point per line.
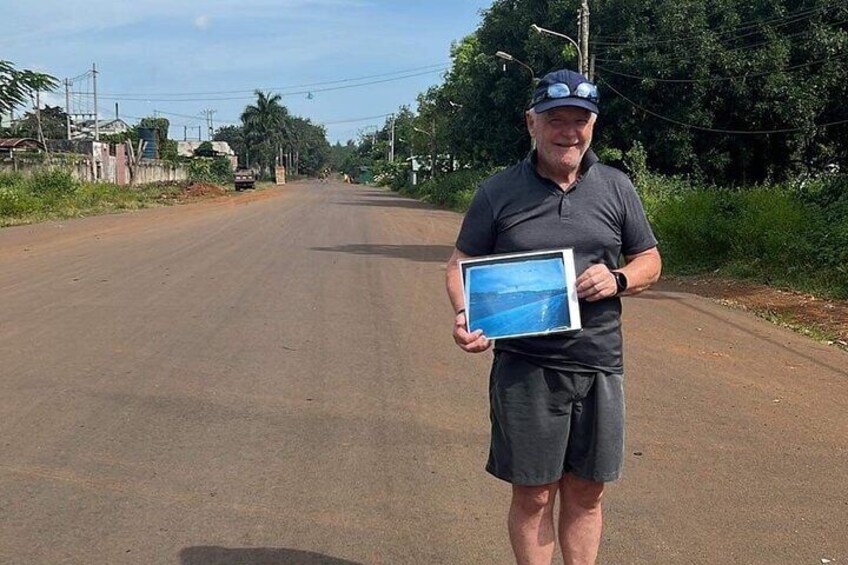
620	282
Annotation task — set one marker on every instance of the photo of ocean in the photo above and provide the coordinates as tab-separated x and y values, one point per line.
519	297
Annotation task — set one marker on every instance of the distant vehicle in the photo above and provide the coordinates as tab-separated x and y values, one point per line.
245	178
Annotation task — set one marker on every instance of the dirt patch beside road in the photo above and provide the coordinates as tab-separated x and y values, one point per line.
821	318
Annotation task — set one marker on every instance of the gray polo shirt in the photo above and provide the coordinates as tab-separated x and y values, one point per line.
600	217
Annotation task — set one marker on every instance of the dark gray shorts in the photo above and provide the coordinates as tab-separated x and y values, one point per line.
546	423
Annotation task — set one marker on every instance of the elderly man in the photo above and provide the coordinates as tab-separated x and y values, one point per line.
557	402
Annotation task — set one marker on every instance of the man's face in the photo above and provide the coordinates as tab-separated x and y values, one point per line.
562	135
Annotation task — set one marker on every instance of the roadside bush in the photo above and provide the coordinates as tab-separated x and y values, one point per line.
694	229
394	175
453	190
210	169
11	179
55	182
771	234
16	202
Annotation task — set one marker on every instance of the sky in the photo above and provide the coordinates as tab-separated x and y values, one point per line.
530	275
181	57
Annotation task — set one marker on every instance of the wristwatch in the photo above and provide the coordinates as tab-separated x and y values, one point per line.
620	282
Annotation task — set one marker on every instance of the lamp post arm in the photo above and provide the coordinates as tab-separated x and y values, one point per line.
539	29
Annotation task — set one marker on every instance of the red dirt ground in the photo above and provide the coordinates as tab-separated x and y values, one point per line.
803	312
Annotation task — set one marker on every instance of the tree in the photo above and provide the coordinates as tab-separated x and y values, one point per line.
677	76
265	128
309	143
234	136
54	124
18	86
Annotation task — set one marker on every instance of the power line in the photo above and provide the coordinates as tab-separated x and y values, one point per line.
293	93
352	120
431	68
716	130
724	78
666	57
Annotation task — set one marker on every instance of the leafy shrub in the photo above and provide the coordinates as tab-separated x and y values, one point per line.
773	234
693	229
453	190
210	169
16	202
395	175
52	181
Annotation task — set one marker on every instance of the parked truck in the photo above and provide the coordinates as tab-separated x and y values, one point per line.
244	178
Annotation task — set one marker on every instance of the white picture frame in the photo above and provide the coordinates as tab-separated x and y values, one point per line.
521	294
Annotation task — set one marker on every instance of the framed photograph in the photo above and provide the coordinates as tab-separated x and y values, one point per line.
521	294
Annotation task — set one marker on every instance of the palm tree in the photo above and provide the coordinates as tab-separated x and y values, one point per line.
265	127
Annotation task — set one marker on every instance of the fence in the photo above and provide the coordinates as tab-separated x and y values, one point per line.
92	161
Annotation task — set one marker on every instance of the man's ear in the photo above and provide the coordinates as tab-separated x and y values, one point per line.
529	117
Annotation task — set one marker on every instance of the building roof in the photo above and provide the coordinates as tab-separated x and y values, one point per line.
187	148
20	143
113	123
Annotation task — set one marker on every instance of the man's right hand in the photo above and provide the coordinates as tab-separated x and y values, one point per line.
474	342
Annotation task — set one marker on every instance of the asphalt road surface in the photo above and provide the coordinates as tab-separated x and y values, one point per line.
270	378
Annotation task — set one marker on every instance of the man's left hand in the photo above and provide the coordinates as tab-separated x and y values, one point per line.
596	283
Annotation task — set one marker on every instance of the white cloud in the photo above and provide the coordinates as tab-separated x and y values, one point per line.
201	22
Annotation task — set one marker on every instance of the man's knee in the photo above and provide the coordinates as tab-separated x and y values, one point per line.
532	500
580	492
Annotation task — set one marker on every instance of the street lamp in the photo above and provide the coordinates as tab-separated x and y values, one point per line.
507	57
432	136
538	29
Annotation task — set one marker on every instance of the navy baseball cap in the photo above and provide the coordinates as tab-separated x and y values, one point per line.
565	88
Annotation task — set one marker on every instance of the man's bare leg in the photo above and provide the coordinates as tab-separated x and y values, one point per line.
531	524
580	519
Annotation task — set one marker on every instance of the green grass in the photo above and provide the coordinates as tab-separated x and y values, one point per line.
778	235
52	195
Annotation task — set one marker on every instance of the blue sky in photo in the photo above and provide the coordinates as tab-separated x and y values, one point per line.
530	275
151	53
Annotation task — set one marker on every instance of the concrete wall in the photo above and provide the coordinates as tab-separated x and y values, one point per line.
104	163
158	171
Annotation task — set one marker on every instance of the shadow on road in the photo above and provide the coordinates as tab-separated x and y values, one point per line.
214	555
424	253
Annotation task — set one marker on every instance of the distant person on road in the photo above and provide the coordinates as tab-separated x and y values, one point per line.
557	402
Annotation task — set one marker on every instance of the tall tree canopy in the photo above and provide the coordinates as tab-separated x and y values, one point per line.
265	127
721	90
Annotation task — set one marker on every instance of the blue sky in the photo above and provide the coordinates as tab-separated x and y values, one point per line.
151	53
528	275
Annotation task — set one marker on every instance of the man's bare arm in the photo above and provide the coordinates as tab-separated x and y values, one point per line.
470	342
642	270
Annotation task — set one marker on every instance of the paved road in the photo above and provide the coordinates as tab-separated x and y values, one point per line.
270	379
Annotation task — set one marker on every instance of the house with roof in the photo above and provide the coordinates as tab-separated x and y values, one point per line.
84	129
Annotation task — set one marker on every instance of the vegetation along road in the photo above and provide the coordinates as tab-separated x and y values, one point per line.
270	378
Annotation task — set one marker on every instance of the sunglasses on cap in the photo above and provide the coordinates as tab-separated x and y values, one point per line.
558	90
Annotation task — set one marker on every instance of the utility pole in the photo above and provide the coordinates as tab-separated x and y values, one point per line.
392	146
584	36
38	118
433	155
68	106
209	114
96	120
